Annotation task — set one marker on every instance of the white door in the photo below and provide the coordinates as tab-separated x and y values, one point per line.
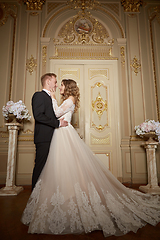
97	120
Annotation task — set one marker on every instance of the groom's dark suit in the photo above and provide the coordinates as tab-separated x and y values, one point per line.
45	123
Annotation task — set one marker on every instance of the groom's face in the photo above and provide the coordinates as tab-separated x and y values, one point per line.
53	83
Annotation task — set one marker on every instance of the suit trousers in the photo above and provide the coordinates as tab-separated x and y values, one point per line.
42	150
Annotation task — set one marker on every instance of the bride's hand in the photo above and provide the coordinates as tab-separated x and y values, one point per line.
52	92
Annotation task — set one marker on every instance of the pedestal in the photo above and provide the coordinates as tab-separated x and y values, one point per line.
10	189
152	186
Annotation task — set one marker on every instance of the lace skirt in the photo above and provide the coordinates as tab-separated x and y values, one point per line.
76	193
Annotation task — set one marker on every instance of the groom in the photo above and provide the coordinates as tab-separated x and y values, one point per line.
45	122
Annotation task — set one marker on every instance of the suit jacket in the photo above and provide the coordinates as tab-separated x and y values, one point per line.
45	118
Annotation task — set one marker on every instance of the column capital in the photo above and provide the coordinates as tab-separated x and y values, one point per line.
34	5
131	6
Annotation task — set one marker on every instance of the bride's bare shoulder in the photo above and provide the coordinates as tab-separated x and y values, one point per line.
72	98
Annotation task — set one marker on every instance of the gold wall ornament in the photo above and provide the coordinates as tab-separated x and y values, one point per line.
123	56
99	105
100	127
44	55
34	4
135	65
86	51
31	64
131	5
83	29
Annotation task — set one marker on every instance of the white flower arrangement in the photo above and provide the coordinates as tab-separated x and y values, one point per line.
148	126
18	109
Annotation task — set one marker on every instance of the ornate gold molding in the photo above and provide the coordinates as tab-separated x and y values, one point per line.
83	29
99	105
131	5
82	52
100	127
83	4
31	64
123	56
135	65
44	55
34	5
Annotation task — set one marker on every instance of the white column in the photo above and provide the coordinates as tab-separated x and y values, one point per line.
10	189
152	186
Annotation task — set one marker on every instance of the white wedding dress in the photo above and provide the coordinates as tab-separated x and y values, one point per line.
76	193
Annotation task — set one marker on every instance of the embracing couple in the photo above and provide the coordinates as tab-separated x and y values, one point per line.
45	120
73	191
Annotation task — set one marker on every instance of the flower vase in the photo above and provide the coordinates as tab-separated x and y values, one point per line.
13	119
150	136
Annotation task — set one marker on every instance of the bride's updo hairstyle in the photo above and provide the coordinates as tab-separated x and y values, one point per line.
71	89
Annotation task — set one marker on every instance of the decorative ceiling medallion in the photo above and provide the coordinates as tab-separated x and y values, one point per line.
31	64
131	5
99	105
135	65
34	4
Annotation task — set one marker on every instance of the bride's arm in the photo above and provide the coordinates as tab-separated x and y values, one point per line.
63	108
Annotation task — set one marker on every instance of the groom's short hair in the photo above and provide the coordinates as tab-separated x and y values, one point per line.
46	76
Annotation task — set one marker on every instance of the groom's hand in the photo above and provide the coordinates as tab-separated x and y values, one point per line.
63	123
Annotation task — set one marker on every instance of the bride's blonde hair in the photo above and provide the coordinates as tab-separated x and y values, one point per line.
71	89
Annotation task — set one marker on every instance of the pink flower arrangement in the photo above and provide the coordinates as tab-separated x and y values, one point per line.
148	126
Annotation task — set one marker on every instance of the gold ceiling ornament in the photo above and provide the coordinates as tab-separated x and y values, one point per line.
34	4
131	5
31	64
135	65
99	105
83	4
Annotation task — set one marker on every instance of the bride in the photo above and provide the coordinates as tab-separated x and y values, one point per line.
76	193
